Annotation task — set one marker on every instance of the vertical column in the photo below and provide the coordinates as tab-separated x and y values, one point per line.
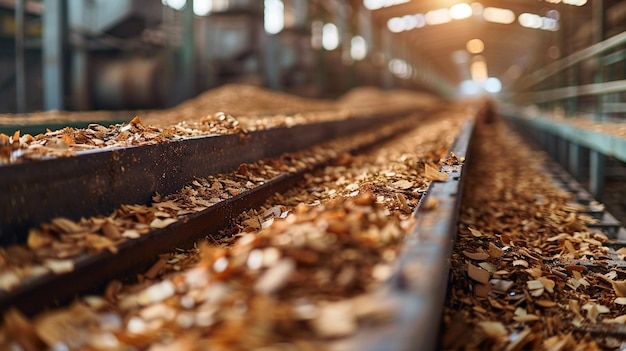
80	81
344	39
53	45
574	162
272	63
187	53
386	38
597	159
596	175
20	72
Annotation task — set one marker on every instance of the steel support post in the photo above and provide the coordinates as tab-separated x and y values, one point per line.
598	36
272	62
574	161
562	154
80	81
20	72
187	53
53	46
387	78
596	173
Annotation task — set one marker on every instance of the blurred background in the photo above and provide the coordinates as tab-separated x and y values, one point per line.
148	54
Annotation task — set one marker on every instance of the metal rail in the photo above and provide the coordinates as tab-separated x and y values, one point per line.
564	63
420	280
186	158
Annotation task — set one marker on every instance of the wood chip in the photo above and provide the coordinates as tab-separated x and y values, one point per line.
432	173
478	274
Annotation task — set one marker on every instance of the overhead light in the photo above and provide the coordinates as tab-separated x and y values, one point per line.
460	11
439	16
379	4
475	46
395	25
469	87
358	48
531	20
575	2
175	4
498	15
478	69
274	16
492	85
330	37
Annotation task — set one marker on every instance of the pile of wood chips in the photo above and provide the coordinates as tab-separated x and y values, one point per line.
225	110
520	267
300	272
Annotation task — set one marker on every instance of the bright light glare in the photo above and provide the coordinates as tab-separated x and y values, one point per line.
330	37
530	20
492	85
202	7
469	87
498	15
575	2
395	25
175	4
460	11
358	48
274	16
379	4
478	69
439	16
400	68
475	46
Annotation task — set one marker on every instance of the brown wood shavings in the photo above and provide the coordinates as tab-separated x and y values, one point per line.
305	279
534	299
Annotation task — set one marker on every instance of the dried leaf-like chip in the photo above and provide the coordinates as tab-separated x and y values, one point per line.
526	318
534	284
548	284
59	266
619	286
478	274
432	173
620	301
402	184
37	239
545	303
522	263
67	225
489	267
495	251
477	256
493	329
159	223
475	232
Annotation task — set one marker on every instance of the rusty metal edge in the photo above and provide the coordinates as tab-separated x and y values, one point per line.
418	287
98	182
91	272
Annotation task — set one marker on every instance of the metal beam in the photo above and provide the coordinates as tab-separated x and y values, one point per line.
54	24
20	72
606	144
615	86
557	66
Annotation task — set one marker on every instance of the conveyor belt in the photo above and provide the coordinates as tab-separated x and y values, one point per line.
134	175
418	280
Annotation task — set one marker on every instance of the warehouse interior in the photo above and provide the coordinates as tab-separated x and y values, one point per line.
457	169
